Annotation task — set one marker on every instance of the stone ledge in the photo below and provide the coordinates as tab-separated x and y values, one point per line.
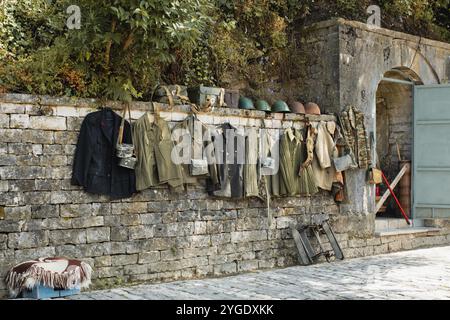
78	103
397	232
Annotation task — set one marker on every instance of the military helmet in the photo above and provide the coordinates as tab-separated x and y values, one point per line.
312	108
280	106
297	107
262	105
246	104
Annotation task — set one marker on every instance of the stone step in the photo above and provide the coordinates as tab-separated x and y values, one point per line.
390	223
395	232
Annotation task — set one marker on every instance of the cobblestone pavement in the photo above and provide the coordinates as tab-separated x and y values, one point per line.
419	274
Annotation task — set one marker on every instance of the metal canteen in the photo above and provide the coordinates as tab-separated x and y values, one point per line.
124	150
129	163
268	163
199	167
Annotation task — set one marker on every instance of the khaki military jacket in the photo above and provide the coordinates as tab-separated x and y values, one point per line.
153	146
324	152
251	188
201	148
290	162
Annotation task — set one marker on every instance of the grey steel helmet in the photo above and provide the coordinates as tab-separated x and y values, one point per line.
263	105
246	104
280	106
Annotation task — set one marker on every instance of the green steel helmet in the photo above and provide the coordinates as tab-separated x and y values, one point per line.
280	106
246	103
262	105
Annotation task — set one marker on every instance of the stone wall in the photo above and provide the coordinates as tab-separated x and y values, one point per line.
155	235
320	77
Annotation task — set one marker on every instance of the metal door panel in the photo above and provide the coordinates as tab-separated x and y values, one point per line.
431	183
439	105
431	154
428	145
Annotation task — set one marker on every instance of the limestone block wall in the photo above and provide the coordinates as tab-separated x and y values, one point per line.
155	235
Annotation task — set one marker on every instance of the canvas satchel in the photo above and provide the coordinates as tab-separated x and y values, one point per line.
125	151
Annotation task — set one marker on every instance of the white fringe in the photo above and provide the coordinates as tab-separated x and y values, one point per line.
79	278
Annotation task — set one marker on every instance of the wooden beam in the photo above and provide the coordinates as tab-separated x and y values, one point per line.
393	185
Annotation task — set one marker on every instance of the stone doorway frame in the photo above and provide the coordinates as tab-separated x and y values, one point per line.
404	78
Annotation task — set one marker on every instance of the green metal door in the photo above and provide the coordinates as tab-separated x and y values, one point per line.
431	161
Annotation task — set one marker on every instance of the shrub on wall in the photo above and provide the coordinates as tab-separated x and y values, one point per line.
119	51
125	47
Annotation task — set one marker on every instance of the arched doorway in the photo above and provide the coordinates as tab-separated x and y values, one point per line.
394	137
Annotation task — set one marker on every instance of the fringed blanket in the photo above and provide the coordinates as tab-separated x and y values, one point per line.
56	273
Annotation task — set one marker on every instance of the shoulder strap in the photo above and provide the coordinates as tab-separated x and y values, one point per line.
122	122
122	125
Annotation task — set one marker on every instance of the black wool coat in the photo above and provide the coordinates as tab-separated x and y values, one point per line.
95	164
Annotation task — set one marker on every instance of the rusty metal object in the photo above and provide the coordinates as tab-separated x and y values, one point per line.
319	225
312	108
405	188
297	107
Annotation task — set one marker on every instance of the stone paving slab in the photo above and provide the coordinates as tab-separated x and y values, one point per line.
419	274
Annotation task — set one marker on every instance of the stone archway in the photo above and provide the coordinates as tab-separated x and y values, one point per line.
394	127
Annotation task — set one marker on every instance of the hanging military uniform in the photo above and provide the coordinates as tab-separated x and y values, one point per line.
168	171
96	166
325	150
362	142
230	157
338	183
268	166
290	162
154	146
307	180
270	160
144	137
200	160
354	131
251	164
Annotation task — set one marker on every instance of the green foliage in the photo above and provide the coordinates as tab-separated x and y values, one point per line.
198	69
119	51
125	47
429	18
249	39
26	25
418	17
134	40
